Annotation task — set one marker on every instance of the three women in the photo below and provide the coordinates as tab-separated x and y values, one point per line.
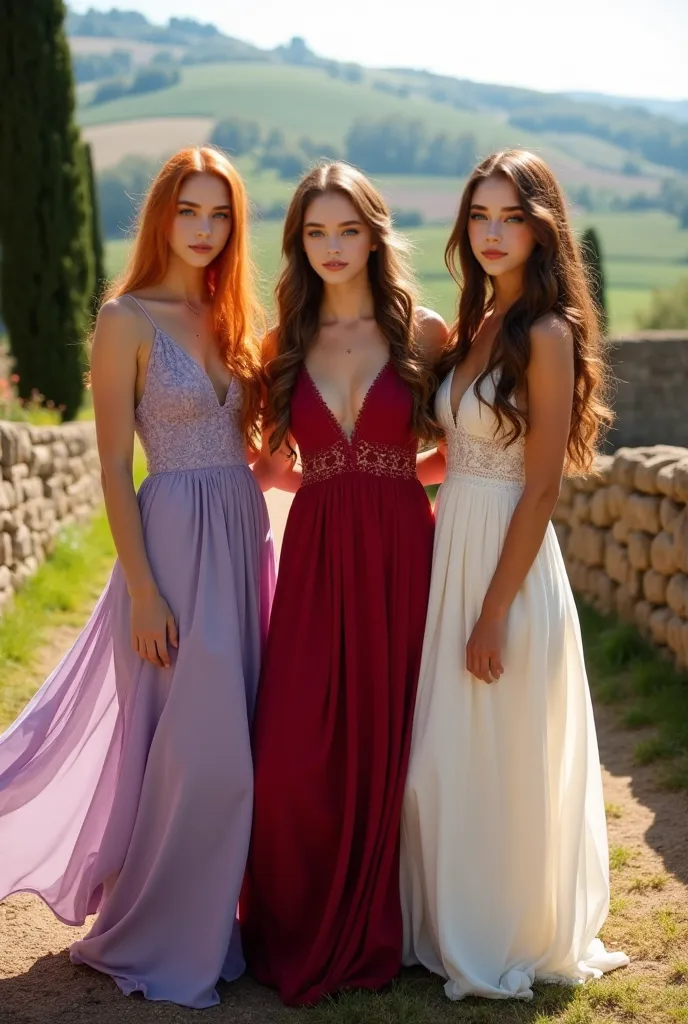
488	902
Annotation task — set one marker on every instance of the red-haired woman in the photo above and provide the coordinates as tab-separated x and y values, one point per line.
349	383
126	785
505	867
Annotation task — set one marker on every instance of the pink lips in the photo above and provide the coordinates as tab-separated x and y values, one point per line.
493	254
201	248
335	265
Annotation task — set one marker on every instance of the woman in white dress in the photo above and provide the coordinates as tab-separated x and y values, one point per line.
504	847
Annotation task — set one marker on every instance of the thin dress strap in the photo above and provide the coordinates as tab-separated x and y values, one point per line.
143	309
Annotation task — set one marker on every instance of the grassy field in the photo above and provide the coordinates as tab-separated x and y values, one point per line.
642	251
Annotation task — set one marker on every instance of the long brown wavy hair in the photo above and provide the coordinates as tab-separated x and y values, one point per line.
237	317
299	296
555	281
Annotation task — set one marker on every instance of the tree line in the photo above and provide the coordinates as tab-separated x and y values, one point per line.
388	145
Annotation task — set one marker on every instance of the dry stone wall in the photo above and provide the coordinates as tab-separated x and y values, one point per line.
49	479
624	534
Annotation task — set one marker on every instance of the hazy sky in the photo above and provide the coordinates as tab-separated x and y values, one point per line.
626	47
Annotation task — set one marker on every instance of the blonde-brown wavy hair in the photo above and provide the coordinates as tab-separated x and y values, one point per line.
299	296
237	317
555	282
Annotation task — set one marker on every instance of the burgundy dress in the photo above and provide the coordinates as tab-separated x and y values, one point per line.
320	908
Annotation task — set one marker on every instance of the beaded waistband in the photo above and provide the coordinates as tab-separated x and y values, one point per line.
367	457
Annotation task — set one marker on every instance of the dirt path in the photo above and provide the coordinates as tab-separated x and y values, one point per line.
648	834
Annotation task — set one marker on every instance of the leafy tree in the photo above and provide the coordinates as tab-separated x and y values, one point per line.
47	281
236	135
111	90
99	273
153	78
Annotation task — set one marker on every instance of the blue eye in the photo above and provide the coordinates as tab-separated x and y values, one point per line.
315	234
221	214
478	216
182	213
516	219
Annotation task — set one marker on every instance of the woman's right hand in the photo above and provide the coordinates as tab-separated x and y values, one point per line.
152	628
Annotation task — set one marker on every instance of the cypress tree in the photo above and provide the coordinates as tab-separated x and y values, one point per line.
99	276
47	270
591	251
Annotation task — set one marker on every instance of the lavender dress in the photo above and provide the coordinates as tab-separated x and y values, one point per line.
125	788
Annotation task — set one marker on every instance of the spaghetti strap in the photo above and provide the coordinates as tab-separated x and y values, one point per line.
143	309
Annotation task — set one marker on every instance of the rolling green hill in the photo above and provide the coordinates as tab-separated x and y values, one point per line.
307	101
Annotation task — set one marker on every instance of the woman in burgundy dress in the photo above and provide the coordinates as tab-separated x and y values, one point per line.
349	383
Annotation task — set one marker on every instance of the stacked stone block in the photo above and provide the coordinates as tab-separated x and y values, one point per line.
624	534
49	479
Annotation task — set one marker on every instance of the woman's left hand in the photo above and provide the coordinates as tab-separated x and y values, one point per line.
485	647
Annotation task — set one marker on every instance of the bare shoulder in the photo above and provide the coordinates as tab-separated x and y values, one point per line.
431	332
551	332
120	322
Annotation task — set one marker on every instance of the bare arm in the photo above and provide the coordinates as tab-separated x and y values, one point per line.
550	397
113	375
276	470
431	466
431	337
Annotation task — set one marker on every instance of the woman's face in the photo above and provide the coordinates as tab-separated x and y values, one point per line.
336	239
500	238
203	219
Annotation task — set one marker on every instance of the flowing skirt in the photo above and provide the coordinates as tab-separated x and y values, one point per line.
320	909
126	789
504	874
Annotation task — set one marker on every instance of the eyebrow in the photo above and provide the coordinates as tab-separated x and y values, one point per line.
344	224
197	206
505	209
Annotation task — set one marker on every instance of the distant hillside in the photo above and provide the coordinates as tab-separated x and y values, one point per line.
677	110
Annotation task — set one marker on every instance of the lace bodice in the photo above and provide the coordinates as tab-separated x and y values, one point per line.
472	447
382	443
180	421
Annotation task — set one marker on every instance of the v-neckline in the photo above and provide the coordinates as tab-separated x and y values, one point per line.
220	404
455	417
347	437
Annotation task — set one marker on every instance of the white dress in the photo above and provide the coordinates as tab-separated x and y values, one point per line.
504	874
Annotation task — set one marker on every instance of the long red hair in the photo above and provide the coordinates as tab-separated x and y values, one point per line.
237	316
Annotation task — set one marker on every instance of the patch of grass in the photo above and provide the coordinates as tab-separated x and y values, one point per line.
668	924
610	691
619	857
637	718
654	749
62	590
622	666
61	593
613	811
654	883
678	975
620	645
618	905
615	993
674	776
